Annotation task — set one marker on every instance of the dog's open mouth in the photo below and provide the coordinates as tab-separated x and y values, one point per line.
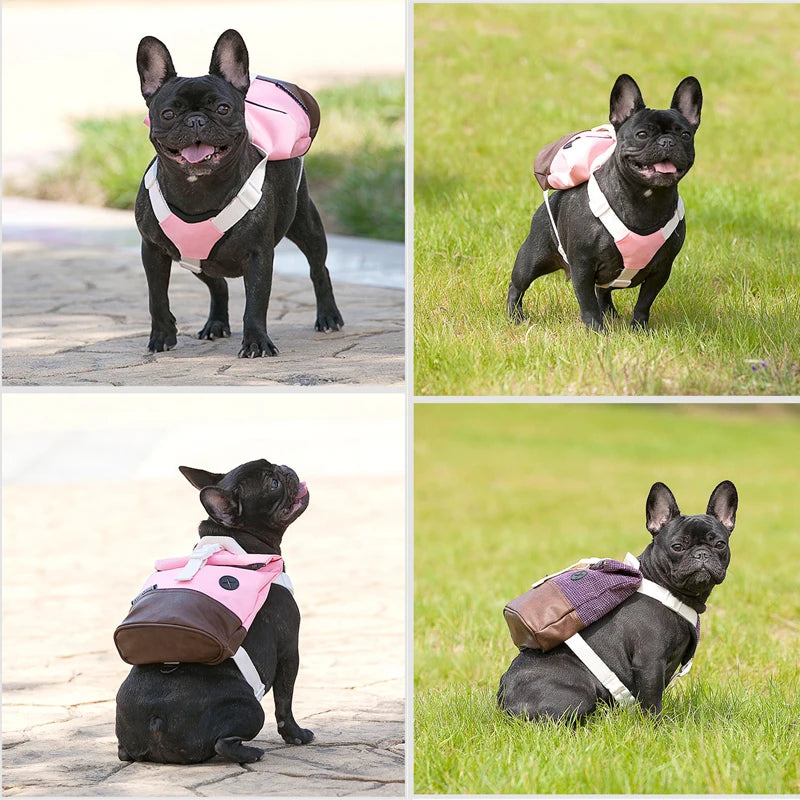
300	502
665	168
197	153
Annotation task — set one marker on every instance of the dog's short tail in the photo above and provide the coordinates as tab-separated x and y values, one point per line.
158	727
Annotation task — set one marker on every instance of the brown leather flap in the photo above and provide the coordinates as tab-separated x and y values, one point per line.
309	103
544	158
182	625
541	618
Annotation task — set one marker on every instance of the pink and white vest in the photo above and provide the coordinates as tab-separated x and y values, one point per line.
279	127
575	163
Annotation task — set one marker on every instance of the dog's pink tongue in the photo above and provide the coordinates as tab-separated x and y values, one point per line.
197	152
666	167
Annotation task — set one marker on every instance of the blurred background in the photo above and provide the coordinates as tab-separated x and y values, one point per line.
72	110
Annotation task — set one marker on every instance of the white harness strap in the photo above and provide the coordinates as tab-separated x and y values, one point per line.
598	667
249	672
561	251
242	659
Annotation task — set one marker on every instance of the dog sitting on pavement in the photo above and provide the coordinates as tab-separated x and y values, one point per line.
186	713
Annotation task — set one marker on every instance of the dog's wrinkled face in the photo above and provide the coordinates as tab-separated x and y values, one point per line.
690	553
257	496
196	124
655	148
695	553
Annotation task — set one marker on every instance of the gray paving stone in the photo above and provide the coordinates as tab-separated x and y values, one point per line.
75	316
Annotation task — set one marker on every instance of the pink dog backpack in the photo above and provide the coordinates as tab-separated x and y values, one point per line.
282	119
198	608
570	160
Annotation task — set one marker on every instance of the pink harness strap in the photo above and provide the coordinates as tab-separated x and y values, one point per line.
637	251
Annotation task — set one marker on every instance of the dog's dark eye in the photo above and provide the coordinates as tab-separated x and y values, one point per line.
641	134
677	547
685	135
223	109
168	114
273	484
720	545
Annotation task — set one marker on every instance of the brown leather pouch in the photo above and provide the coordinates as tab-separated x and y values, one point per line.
169	625
541	618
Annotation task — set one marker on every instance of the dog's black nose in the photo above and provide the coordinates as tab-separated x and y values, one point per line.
666	142
196	121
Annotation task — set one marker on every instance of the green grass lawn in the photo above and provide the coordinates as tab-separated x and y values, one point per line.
505	493
355	167
492	85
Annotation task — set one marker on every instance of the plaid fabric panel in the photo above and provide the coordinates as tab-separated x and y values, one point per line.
598	589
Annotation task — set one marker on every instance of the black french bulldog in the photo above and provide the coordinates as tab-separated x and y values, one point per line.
641	640
197	127
186	714
655	149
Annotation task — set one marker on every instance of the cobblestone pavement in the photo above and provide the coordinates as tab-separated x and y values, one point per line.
75	311
77	547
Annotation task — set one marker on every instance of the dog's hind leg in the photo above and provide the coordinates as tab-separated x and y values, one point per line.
307	232
531	263
231	747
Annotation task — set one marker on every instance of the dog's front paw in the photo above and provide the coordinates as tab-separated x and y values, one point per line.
640	324
215	329
328	319
294	734
257	346
161	341
593	323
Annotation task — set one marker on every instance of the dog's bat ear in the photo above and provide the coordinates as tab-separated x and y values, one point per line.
626	100
661	507
222	506
230	61
200	478
723	503
688	100
154	64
